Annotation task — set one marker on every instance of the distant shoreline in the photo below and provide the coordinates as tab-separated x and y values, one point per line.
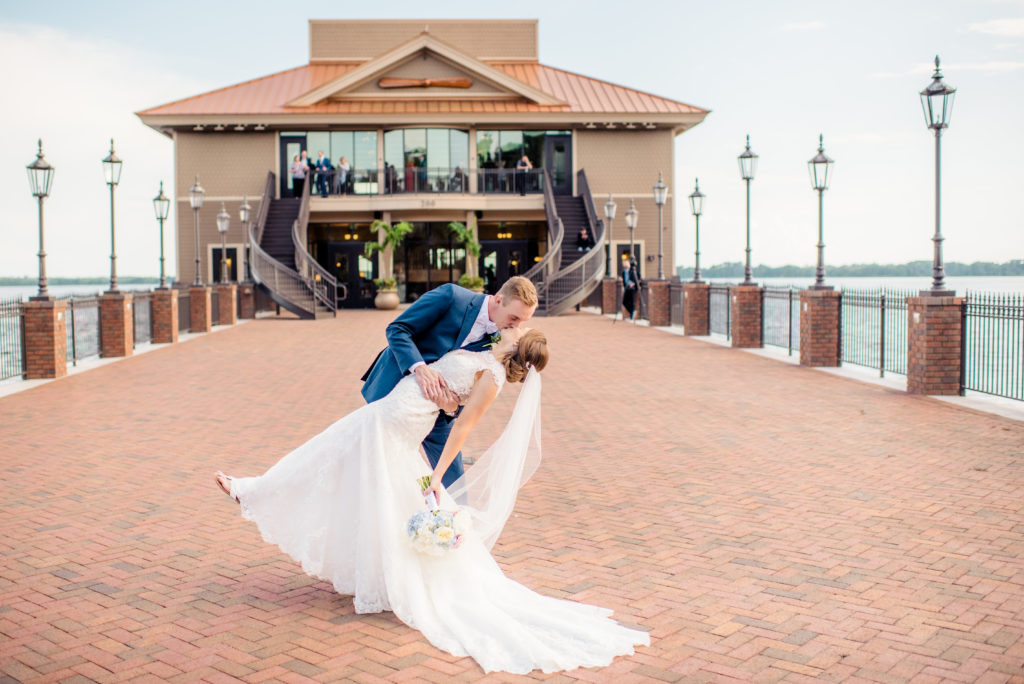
913	269
92	280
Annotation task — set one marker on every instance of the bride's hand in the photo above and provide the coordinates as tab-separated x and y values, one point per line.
433	490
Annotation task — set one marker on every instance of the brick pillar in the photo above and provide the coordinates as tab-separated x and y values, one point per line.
819	327
746	315
934	341
117	324
696	309
200	309
247	299
658	304
165	316
609	301
227	306
46	339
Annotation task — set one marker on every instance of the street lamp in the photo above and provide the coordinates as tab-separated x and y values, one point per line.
112	175
660	192
697	208
819	168
631	216
748	167
40	178
223	221
937	103
609	215
195	198
243	215
162	207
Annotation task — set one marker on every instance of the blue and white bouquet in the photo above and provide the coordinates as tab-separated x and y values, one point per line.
435	531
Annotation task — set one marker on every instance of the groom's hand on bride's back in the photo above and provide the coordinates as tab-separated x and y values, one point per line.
431	383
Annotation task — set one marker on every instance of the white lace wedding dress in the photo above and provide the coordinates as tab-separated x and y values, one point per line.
339	503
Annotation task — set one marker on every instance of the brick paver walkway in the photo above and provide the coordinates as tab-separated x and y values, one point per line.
765	522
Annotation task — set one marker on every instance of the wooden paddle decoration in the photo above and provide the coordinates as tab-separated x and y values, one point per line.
424	83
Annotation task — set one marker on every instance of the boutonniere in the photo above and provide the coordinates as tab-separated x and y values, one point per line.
495	339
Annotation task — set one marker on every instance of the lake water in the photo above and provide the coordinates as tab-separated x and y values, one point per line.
961	284
26	291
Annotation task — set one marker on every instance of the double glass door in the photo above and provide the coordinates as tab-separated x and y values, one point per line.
502	259
291	147
558	162
345	260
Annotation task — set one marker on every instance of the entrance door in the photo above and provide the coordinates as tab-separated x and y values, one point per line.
291	146
346	262
500	260
558	162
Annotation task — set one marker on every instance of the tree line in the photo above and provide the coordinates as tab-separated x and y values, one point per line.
734	269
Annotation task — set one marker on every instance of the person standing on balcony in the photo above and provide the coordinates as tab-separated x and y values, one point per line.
298	171
323	168
523	167
341	177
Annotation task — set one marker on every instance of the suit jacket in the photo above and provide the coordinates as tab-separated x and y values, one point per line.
426	331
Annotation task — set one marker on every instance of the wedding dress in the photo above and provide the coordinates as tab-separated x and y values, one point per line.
339	504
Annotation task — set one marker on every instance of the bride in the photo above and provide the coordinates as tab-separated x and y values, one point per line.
339	505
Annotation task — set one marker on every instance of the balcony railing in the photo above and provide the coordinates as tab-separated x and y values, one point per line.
425	180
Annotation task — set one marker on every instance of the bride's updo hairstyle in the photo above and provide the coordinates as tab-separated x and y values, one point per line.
531	351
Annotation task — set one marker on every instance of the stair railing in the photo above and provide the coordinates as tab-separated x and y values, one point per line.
541	272
322	284
573	284
268	271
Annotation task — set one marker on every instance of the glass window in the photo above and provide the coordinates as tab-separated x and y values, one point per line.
437	148
318	141
365	152
341	146
394	148
511	148
459	149
533	147
415	147
487	149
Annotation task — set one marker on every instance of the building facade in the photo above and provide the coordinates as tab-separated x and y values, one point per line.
425	122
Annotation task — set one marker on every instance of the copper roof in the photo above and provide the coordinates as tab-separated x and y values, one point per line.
268	95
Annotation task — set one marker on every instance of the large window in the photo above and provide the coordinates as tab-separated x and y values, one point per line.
502	149
426	160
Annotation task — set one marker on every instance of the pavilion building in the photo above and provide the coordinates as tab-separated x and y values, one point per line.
432	118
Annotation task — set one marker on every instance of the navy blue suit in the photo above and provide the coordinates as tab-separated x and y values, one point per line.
433	326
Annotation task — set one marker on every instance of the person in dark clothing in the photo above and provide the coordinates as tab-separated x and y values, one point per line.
630	286
584	242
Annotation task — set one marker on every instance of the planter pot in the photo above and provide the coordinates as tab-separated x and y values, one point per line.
386	299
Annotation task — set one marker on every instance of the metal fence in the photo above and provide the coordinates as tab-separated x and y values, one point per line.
214	308
12	339
675	303
142	315
780	317
873	329
992	353
82	327
184	310
721	310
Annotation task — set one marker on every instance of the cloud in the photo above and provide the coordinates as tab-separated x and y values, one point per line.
804	26
1010	27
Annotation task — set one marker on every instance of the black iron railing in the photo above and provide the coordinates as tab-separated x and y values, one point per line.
780	319
142	316
82	326
873	329
424	180
12	339
184	310
720	305
214	308
992	353
676	303
510	181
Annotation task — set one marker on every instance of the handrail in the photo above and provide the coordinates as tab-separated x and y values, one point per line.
569	286
541	271
322	284
264	209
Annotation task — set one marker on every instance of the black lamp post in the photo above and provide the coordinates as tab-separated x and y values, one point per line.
696	208
609	215
112	175
748	167
660	193
223	222
162	207
631	216
937	103
40	179
819	168
195	198
243	215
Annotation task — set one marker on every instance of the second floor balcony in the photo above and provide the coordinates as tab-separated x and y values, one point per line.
338	183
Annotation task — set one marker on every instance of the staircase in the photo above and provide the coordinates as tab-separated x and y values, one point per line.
566	277
288	277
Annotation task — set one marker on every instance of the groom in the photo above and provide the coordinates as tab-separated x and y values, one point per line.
446	318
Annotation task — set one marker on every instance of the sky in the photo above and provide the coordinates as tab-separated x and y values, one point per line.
781	71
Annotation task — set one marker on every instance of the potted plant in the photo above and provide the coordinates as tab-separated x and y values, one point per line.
474	283
466	237
393	235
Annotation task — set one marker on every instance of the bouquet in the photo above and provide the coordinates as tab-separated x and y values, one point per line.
435	531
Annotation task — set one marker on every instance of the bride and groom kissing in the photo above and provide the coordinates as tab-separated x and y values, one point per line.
340	503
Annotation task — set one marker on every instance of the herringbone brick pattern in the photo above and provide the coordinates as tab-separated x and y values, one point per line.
764	521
